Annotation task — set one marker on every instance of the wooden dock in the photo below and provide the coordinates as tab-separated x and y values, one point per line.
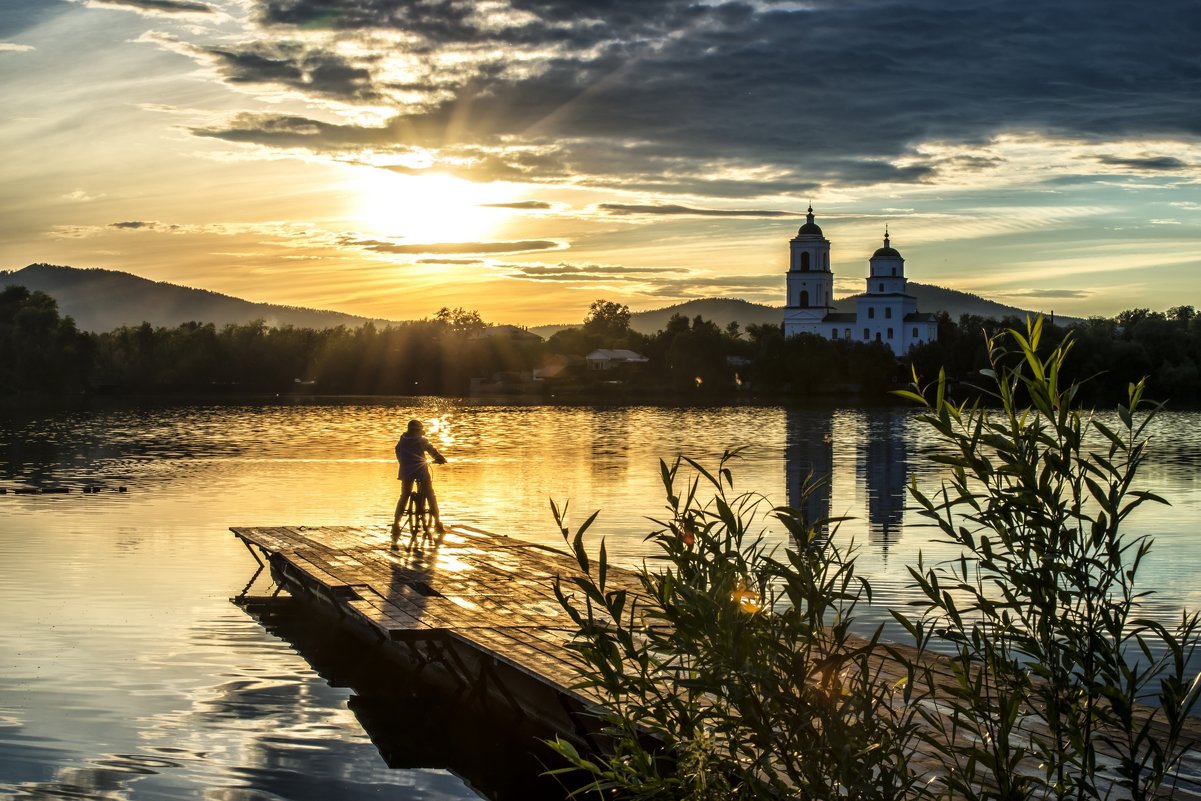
470	610
475	613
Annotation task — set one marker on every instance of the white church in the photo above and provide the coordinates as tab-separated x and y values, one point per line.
884	313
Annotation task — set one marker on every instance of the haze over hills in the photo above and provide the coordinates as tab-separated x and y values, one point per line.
100	300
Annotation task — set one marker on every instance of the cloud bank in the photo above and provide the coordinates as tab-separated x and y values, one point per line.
721	100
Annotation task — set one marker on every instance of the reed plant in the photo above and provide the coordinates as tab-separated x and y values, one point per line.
1061	686
1034	671
733	673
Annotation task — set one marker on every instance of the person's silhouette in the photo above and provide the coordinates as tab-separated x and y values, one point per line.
411	449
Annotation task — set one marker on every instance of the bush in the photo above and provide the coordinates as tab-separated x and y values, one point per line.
735	674
1041	609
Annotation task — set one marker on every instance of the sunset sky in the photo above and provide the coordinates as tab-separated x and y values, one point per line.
526	157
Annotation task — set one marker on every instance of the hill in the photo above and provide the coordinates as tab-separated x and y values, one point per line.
725	310
101	300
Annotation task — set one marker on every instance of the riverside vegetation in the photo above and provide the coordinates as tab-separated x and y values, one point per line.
736	675
42	353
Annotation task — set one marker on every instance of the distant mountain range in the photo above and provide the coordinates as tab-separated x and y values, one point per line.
723	311
101	300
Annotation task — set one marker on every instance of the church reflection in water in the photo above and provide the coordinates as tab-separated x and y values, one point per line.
849	463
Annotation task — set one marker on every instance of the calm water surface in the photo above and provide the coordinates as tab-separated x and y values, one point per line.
126	672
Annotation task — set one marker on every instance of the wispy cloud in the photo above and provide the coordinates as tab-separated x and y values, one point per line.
565	271
1148	163
379	246
13	47
521	205
156	6
672	210
138	225
1047	293
82	196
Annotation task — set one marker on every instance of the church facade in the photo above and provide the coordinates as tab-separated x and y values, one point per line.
883	313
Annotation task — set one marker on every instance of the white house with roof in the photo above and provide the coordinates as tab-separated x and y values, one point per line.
883	313
608	358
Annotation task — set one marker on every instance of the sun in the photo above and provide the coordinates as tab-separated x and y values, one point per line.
429	208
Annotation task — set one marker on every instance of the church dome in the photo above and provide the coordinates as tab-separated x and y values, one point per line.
810	227
886	252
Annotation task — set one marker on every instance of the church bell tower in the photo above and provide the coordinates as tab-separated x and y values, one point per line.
810	281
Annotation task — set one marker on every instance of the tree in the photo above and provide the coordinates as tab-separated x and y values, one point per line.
460	321
608	319
39	350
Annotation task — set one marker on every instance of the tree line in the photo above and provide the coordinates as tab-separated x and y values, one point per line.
43	353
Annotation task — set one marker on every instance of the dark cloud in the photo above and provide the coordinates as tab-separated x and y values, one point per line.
522	205
1152	163
677	96
623	208
665	282
451	248
297	66
583	272
149	225
160	6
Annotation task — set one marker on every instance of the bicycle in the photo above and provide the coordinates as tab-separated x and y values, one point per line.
417	513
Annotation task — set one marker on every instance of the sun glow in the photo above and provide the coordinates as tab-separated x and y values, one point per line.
427	209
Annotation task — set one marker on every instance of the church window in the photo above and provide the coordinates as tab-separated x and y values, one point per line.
805	261
890	333
915	333
880	287
894	270
804	304
888	314
866	335
871	313
833	333
847	333
825	261
877	336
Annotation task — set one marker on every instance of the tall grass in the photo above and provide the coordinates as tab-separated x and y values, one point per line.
734	672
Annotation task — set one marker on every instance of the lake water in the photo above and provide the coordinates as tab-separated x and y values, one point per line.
126	672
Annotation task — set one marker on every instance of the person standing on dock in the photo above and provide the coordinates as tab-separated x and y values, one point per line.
411	449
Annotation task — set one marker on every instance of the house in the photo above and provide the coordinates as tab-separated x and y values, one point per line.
608	358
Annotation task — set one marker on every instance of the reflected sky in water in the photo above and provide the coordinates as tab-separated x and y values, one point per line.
125	672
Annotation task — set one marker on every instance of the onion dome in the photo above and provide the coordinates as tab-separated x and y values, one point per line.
886	252
810	227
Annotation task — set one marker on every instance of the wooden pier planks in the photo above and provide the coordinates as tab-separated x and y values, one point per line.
489	592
